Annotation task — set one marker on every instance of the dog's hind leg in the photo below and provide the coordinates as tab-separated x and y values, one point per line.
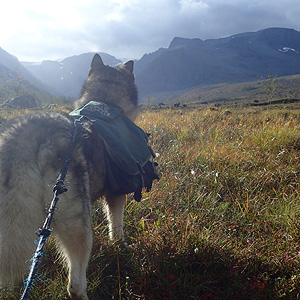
114	209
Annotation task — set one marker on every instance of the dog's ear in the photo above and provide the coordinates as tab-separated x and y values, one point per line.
97	64
128	66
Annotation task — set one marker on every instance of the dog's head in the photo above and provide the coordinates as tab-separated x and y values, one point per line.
110	85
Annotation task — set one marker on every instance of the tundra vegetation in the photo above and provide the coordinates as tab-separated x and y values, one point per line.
223	222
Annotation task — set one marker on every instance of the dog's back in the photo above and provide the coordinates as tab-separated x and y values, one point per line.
32	150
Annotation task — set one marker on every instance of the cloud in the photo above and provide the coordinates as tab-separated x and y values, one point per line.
37	29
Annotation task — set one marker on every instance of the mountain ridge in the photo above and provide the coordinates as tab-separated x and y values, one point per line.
68	74
185	64
238	58
13	67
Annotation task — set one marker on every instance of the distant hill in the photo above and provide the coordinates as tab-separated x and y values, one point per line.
11	68
189	63
286	87
69	74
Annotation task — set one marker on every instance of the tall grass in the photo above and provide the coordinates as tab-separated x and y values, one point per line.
221	223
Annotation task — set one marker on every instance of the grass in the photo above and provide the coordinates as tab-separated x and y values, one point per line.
222	222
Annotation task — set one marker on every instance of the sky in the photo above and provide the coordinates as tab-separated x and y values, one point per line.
35	30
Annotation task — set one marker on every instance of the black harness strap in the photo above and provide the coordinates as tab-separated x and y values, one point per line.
45	231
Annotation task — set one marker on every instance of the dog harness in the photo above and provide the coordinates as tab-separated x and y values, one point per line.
129	157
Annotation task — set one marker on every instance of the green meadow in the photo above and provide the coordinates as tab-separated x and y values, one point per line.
223	221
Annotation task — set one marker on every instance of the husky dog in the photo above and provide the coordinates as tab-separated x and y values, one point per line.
32	150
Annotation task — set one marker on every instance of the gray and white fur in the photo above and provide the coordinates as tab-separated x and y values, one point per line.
32	150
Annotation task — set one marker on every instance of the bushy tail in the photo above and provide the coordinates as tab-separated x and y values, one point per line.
18	223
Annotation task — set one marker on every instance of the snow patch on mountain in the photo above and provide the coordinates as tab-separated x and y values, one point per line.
287	49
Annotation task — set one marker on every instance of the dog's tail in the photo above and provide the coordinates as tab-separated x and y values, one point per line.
20	215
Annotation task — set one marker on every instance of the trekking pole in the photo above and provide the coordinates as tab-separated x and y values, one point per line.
43	233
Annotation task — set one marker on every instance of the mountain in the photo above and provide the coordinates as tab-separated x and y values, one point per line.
69	74
188	63
10	67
